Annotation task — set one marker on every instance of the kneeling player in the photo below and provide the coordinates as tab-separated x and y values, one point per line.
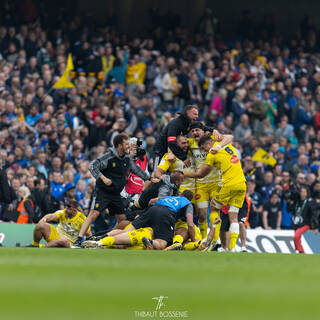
65	234
161	217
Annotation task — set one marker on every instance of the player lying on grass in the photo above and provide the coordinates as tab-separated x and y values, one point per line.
161	217
65	234
229	190
181	239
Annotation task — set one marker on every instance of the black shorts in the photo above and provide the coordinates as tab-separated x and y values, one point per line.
102	200
160	219
242	217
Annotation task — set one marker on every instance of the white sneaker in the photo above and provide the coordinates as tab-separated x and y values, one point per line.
89	244
243	249
233	250
221	250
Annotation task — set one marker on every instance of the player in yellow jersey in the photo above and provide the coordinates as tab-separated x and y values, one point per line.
198	156
167	165
230	189
65	234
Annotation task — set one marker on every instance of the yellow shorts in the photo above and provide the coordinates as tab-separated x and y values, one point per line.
203	195
181	189
183	224
54	234
230	195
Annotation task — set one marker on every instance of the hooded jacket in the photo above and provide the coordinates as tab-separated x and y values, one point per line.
115	168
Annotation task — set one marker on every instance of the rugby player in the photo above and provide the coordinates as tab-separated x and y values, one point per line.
198	156
243	217
65	234
167	165
161	217
229	190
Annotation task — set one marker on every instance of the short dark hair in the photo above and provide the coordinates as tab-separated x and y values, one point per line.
73	203
175	175
190	106
118	139
204	140
187	194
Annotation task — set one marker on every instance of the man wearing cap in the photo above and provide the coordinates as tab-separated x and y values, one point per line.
168	135
65	234
198	156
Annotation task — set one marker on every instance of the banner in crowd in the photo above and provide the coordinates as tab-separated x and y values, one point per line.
269	241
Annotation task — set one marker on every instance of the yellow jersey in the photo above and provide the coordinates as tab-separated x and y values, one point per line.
170	166
229	164
199	158
70	227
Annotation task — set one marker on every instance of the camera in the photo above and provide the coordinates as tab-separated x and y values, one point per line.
140	151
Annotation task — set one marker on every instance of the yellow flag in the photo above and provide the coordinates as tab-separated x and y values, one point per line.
263	156
64	81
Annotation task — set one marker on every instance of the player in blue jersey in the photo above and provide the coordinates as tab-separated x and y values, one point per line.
161	217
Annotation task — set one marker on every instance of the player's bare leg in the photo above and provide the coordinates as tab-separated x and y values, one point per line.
58	243
243	236
41	230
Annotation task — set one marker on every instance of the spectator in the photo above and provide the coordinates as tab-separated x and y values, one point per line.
243	131
271	216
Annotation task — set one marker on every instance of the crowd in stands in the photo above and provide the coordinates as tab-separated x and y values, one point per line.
258	87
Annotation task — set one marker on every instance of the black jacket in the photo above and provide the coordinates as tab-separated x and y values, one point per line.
161	189
305	213
5	192
115	168
168	137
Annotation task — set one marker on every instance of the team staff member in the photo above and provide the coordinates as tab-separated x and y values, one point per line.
230	190
198	156
161	217
69	223
110	171
168	135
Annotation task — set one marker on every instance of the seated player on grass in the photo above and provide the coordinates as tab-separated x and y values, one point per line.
69	222
161	217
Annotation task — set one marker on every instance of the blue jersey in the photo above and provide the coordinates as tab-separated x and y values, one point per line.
173	203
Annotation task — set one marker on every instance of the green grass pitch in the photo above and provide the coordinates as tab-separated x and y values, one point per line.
112	284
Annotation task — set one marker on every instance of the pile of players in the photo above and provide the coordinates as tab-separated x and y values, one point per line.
195	180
